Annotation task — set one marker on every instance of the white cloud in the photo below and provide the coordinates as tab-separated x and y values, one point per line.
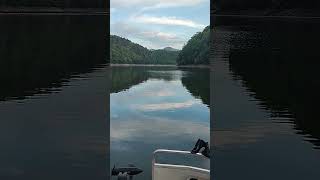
152	31
113	10
173	21
152	4
148	38
167	106
159	35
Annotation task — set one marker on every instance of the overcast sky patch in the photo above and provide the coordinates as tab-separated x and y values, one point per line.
156	24
171	21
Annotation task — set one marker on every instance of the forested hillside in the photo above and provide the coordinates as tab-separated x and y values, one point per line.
123	51
196	51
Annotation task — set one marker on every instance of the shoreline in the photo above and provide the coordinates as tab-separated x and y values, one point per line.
160	65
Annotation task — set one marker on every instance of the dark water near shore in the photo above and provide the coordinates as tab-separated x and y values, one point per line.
53	97
266	96
157	108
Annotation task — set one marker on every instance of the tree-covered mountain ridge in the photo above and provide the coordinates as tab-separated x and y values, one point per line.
124	51
194	52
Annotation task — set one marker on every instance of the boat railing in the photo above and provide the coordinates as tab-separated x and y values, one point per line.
178	170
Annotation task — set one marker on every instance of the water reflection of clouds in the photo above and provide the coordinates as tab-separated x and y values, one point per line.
158	96
174	75
136	115
152	87
167	106
151	129
161	93
151	91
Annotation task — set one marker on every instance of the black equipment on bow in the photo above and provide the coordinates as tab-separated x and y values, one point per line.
124	173
201	145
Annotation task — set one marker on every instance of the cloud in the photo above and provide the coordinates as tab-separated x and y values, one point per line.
172	21
148	38
153	4
159	35
167	106
156	31
113	10
124	29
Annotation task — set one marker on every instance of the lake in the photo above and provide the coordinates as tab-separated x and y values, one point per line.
157	108
54	97
266	96
54	102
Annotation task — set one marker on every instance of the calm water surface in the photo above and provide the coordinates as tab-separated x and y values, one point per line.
53	98
266	96
157	108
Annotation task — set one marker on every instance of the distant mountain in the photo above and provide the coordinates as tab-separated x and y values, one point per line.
170	49
161	56
196	51
123	51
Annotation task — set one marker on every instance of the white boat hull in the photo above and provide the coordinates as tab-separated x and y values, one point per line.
177	172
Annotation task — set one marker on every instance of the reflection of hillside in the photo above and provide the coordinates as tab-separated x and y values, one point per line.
197	81
123	78
278	61
38	52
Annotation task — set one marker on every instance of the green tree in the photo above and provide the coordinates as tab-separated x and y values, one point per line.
196	51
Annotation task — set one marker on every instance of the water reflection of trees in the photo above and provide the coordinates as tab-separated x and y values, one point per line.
278	61
196	81
38	52
123	78
198	84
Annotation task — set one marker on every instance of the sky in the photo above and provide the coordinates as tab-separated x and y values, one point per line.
156	24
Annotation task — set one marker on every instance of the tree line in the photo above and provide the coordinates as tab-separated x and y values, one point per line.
196	51
123	51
